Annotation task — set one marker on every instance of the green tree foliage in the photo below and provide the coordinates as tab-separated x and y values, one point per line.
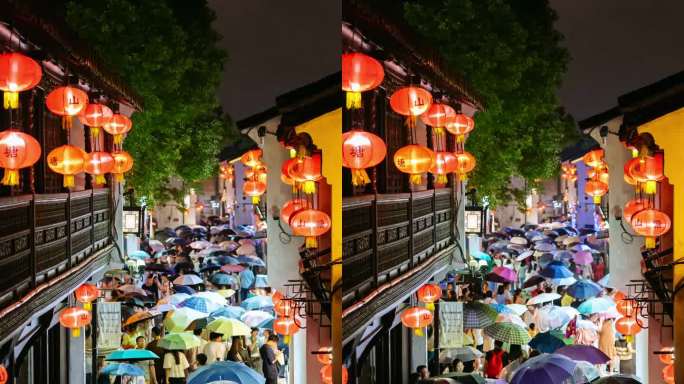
510	52
167	52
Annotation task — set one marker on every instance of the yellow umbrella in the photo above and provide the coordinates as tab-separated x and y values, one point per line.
226	292
229	327
138	317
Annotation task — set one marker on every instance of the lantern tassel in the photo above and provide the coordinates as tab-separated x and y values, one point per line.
100	180
292	153
87	306
286	339
75	332
597	200
11	100
309	187
69	181
94	132
463	176
11	177
430	306
439	131
360	177
442	179
255	200
66	122
419	332
118	139
650	187
650	242
416	179
119	177
460	138
411	121
353	100
311	242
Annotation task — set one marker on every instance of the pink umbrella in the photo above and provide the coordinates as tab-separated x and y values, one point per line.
230	268
583	257
502	274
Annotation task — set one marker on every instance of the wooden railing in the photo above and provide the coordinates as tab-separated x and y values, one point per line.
46	236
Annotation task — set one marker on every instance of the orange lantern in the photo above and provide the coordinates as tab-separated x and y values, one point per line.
310	223
415	160
627	326
465	163
284	308
117	126
324	355
4	376
86	294
123	162
571	177
626	307
285	172
290	207
252	158
651	223
411	102
307	170
66	102
74	318
254	189
438	116
628	171
443	164
327	374
429	294
596	189
276	297
667	358
360	150
633	206
416	318
95	116
594	158
649	170
286	326
67	160
600	174
360	73
98	164
17	73
460	125
17	150
258	173
669	374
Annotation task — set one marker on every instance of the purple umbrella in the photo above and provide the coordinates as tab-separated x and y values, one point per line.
545	368
502	275
587	353
583	257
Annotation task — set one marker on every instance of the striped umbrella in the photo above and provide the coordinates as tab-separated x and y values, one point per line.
508	333
478	315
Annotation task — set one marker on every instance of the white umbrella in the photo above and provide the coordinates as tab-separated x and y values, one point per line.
164	307
518	309
510	318
518	240
543	298
212	296
586	324
605	281
130	288
156	245
524	255
553	317
199	244
255	318
564	280
188	280
174	299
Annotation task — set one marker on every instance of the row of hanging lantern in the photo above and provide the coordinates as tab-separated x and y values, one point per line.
417	317
19	150
255	175
76	317
597	175
361	149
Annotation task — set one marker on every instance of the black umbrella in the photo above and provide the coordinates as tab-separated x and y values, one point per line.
533	281
161	268
618	379
515	232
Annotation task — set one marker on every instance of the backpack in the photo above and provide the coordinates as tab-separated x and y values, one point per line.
494	363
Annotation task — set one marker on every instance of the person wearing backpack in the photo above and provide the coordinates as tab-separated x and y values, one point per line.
495	360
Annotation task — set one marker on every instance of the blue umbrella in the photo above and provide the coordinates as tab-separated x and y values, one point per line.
546	342
200	304
254	261
131	355
231	312
141	255
175	241
261	281
556	270
184	289
480	255
222	279
501	308
225	259
123	369
210	267
595	305
226	371
584	289
545	368
268	324
257	302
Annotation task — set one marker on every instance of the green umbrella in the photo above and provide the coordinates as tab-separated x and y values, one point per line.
131	355
180	319
508	333
478	315
179	341
229	327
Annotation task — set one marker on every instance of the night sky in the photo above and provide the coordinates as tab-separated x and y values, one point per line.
616	47
274	46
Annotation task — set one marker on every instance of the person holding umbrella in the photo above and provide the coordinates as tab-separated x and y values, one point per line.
495	360
269	359
176	367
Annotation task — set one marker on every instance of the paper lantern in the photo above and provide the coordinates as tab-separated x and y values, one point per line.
310	223
86	294
626	307
360	150
596	189
284	308
17	150
415	160
443	164
651	223
327	374
667	358
570	177
123	162
286	326
276	297
252	158
67	160
324	355
66	102
360	73
307	170
74	318
254	189
118	125
411	102
627	326
649	170
17	73
4	376
285	172
429	294
633	206
290	207
416	318
600	174
438	116
460	125
465	163
258	173
669	374
628	169
98	164
95	116
594	158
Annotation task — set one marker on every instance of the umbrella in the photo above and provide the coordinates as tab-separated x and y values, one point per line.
583	257
553	317
226	292
595	305
586	324
499	245
246	249
261	281
510	318
189	279
179	341
142	255
257	302
524	255
547	342
618	379
555	270
131	355
464	354
123	369
518	309
174	299
543	298
138	317
480	255
544	247
570	240
156	245
175	241
502	275
253	261
584	289
605	281
229	327
130	288
544	258
563	255
161	268
226	370
533	281
545	368
232	268
164	307
580	247
586	353
229	246
231	312
501	308
222	279
199	244
181	318
585	373
478	315
200	304
255	318
212	296
517	240
508	333
564	280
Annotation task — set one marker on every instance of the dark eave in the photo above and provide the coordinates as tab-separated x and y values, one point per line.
599	119
258	118
573	152
243	144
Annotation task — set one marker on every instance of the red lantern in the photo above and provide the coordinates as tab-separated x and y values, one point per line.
416	318
465	163
290	207
360	73
327	374
307	170
285	172
438	116
74	318
669	374
460	125
632	207
86	294
429	294
626	307
627	169
98	164
123	162
95	116
443	164
594	158
276	297
324	355
667	358
411	102
651	223
17	73
252	158
649	170
258	173
17	150
284	308
286	326
254	189
117	126
4	376
600	174
310	223
415	160
360	150
627	326
66	102
596	189
67	160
